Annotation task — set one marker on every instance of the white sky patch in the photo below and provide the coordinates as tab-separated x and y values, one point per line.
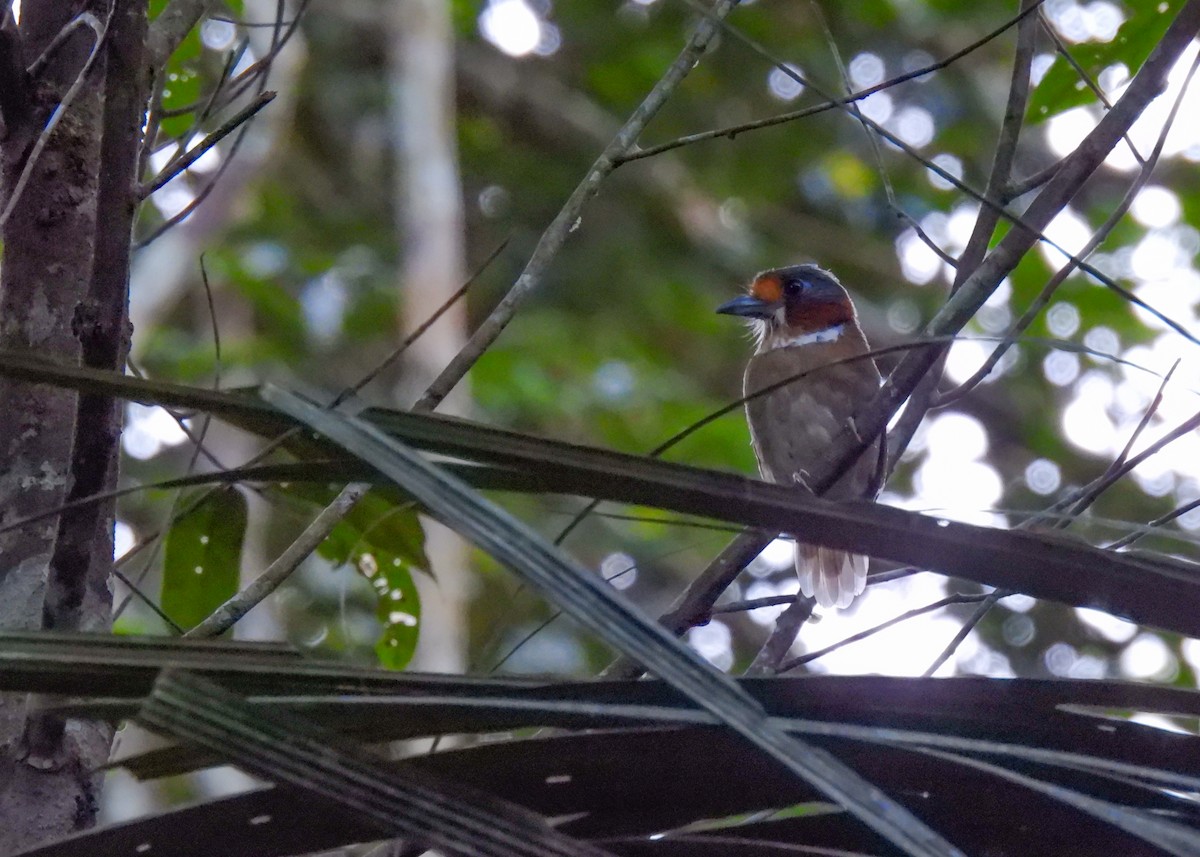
778	554
1062	319
960	435
207	162
1111	627
1155	207
1043	476
913	125
124	538
1095	21
960	490
1148	657
1184	134
906	649
1103	340
918	262
148	430
961	225
619	569
1066	130
713	642
172	198
1038	68
965	357
1067	230
1191	652
1085	420
217	35
783	86
954	478
951	165
324	302
1061	368
766	616
1158	256
866	70
512	26
877	107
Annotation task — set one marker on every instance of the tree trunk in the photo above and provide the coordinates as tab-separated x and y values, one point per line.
63	296
430	223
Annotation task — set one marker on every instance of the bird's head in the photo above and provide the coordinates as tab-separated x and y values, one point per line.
793	305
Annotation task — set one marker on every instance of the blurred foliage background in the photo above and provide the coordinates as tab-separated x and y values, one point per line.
620	346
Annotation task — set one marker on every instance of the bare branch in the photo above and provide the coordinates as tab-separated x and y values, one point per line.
1095	89
1146	85
732	131
225	616
985	223
567	218
787	628
862	635
1067	269
185	160
171	27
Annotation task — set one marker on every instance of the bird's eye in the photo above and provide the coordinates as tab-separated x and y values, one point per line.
793	288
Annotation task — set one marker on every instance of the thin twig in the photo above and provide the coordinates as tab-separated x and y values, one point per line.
1065	53
731	131
319	529
225	616
1119	462
567	219
975	618
420	330
1146	529
862	635
986	222
1077	501
178	165
1077	167
1067	269
1026	226
1023	186
752	604
198	448
782	637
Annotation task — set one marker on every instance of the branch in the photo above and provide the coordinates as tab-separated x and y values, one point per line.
883	626
171	27
567	218
193	154
985	222
779	643
731	131
1069	268
225	616
695	603
1148	84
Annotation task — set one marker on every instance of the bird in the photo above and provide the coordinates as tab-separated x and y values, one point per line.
803	320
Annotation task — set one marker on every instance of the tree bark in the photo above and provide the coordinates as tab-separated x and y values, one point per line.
429	217
63	296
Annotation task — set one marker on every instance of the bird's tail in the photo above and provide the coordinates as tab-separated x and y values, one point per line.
831	576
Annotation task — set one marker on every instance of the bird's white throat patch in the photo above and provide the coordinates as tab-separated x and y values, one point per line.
812	337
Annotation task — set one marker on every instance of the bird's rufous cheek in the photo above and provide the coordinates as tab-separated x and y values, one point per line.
768	288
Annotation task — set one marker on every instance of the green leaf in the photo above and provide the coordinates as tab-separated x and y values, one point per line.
202	556
1061	88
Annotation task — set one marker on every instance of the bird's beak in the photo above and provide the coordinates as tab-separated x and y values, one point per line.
748	306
